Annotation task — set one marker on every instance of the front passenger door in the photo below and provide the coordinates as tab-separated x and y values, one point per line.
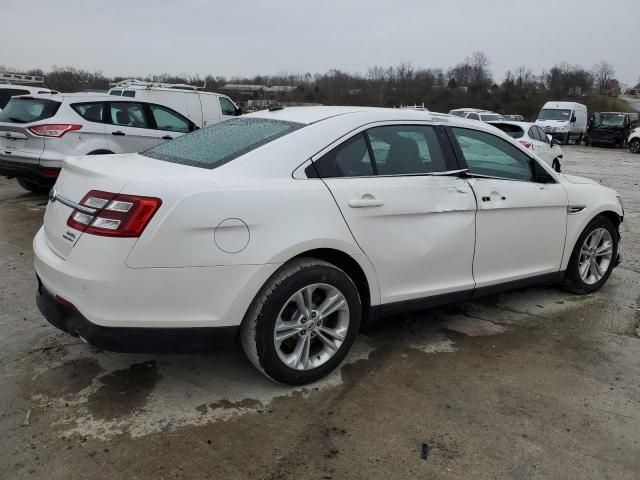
168	124
522	210
128	129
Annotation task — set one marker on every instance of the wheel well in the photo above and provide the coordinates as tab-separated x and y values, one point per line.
347	264
614	217
100	152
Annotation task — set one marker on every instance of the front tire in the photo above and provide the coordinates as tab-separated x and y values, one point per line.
302	323
634	145
34	186
593	258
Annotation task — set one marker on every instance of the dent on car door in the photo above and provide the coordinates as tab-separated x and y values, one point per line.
417	229
129	128
522	210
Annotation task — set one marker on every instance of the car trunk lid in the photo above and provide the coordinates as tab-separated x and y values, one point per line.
108	173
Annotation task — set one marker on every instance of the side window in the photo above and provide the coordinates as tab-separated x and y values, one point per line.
92	112
542	135
227	106
115	93
167	120
128	114
406	150
489	155
473	116
533	133
349	159
129	93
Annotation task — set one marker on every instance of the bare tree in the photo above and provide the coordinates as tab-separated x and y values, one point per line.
603	73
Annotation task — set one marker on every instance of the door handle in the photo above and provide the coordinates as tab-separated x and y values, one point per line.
167	137
118	133
367	200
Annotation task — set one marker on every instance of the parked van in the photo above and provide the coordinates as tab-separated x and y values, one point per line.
564	121
202	108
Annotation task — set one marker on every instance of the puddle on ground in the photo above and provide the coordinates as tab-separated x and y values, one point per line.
473	327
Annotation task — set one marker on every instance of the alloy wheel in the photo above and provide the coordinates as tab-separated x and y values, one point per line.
596	255
634	146
311	326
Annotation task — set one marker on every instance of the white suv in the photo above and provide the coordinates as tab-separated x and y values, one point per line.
37	132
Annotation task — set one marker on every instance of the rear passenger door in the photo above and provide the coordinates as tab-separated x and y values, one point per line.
129	127
417	229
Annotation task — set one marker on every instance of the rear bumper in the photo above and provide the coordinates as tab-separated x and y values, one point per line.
17	168
132	339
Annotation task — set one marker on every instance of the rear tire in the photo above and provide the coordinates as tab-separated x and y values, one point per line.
556	165
297	303
34	186
589	252
634	145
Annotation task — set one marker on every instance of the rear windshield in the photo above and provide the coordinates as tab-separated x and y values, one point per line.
26	110
222	142
7	93
513	131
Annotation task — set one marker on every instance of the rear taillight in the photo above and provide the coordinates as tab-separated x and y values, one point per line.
114	215
54	129
526	144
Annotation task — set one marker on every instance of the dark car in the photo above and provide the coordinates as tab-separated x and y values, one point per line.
610	128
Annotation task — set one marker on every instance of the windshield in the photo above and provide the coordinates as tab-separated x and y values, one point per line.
490	118
26	110
560	115
222	142
608	120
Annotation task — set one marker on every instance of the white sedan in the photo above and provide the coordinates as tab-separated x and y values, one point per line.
284	229
534	138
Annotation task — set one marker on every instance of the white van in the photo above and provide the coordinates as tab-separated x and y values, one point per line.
202	108
564	121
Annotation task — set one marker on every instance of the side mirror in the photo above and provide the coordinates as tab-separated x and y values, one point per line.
237	112
540	175
554	142
573	119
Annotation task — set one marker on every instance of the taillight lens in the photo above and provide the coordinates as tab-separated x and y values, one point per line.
54	129
116	215
526	144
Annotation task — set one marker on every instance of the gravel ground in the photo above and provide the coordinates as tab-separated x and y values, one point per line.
535	383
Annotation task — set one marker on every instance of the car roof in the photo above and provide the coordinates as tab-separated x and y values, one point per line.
85	97
23	87
163	89
309	115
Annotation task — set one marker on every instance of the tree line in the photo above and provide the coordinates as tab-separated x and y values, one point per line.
470	83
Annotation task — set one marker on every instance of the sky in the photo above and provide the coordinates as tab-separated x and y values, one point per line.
247	37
